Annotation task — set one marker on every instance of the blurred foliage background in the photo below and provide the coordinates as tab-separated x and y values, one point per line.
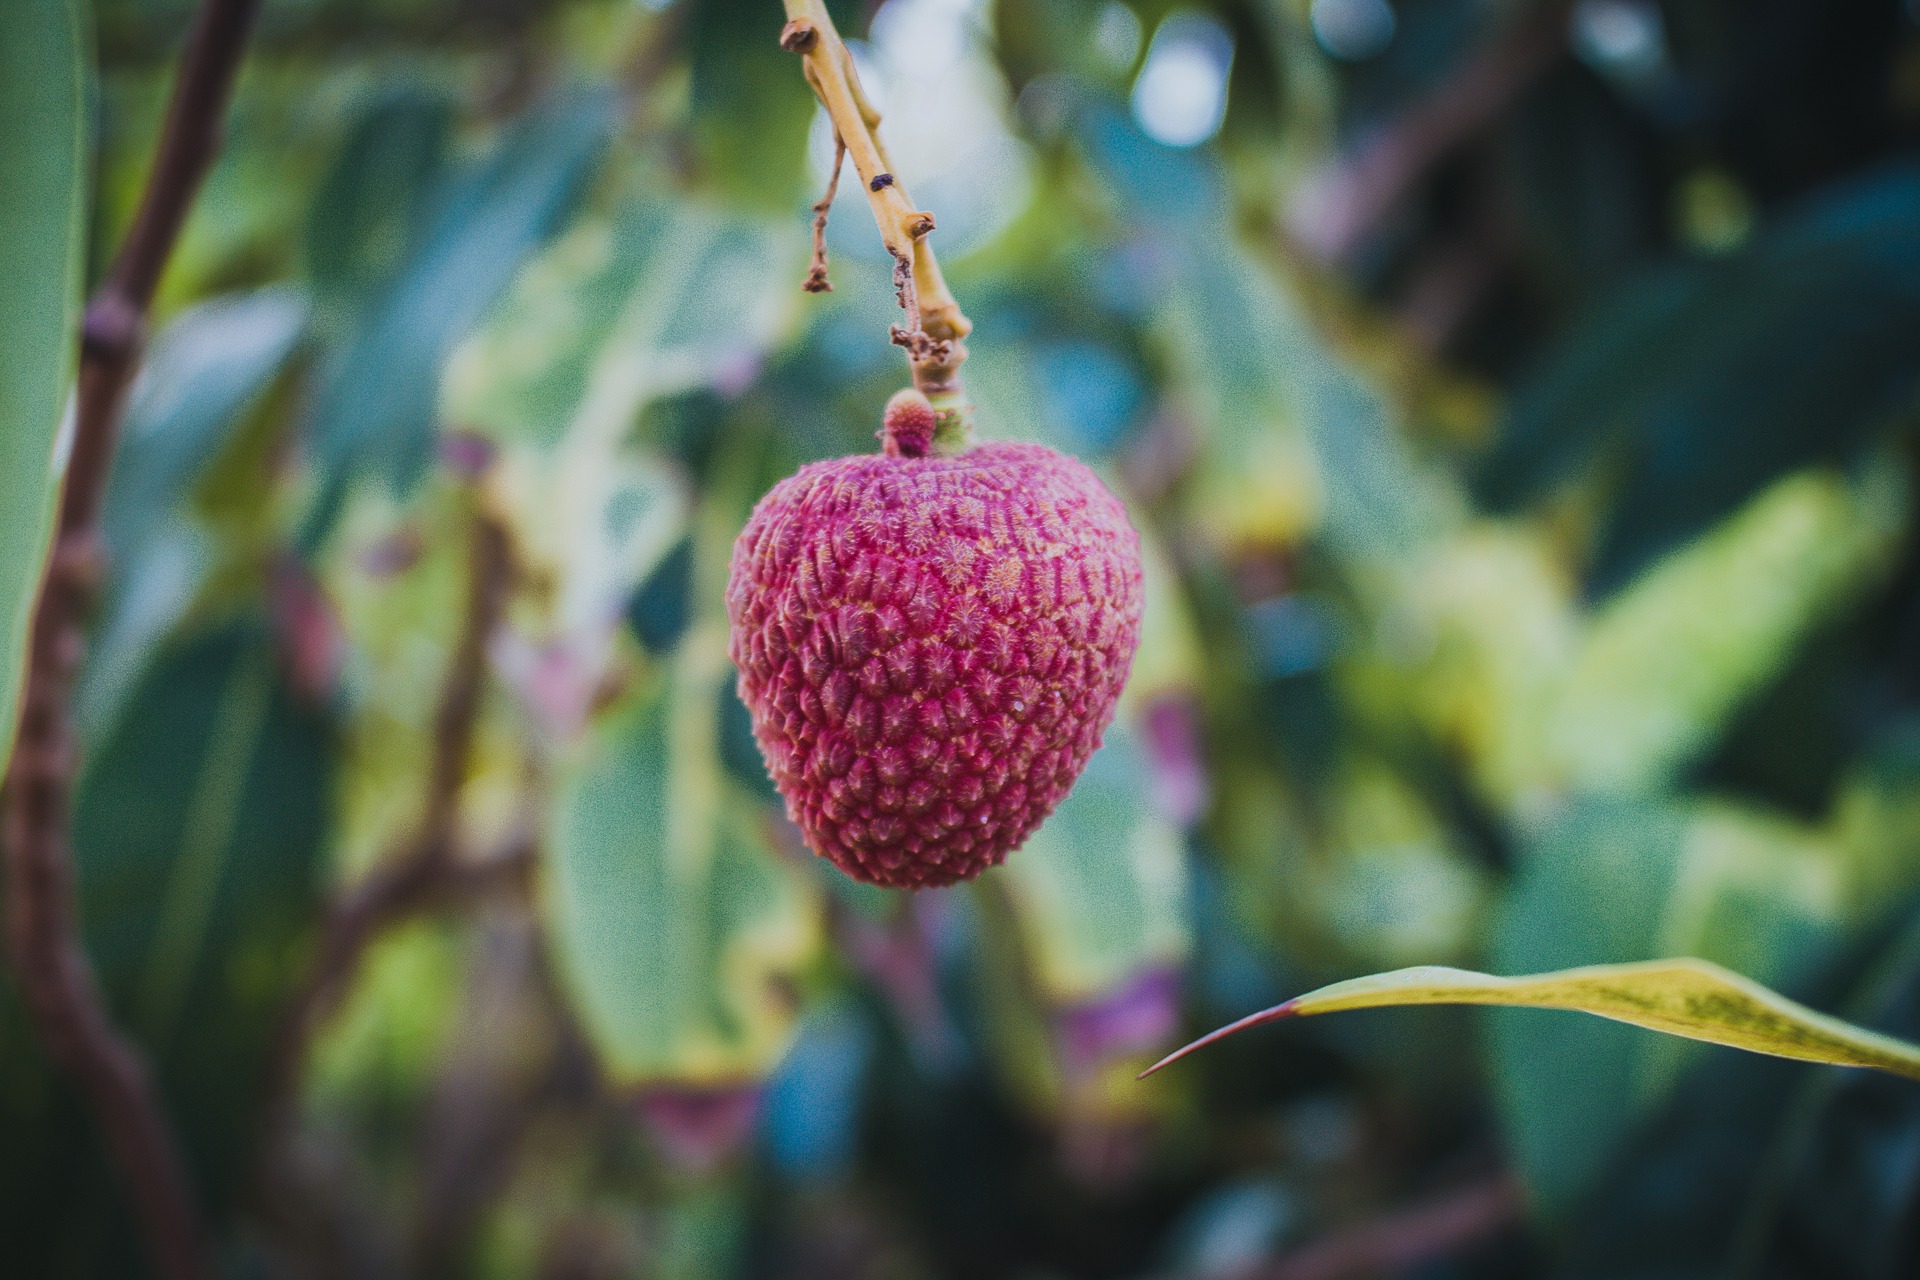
1517	400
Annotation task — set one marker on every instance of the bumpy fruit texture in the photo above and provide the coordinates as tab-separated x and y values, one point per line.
931	646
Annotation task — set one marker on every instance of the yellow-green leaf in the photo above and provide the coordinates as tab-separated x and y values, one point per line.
1669	659
1686	997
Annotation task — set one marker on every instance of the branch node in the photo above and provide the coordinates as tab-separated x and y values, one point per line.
904	291
921	346
798	36
113	326
79	560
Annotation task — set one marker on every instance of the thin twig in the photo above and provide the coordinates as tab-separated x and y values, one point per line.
1402	1241
922	348
817	281
298	1208
427	872
57	981
1334	212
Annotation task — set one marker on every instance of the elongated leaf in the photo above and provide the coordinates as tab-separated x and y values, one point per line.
376	408
1670	658
620	312
43	103
195	386
613	316
202	371
1756	1159
197	831
366	213
1691	998
1618	881
1714	379
751	108
1305	441
1300	440
676	931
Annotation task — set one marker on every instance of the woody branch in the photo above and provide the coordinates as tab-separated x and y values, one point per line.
57	982
935	329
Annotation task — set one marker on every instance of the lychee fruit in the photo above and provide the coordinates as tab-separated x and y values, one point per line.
931	640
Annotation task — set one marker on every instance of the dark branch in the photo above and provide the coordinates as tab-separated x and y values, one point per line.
57	982
1333	213
424	876
1405	1240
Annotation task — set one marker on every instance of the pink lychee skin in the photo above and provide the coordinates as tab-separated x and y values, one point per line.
931	648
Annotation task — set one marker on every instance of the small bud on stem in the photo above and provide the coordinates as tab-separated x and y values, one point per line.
906	428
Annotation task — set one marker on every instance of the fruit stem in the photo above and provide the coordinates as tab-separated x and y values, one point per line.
936	327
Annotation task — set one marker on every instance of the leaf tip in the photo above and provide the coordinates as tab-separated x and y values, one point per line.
1274	1014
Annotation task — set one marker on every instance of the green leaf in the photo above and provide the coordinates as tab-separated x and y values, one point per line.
44	72
1714	379
1756	1160
676	929
1100	891
195	385
1618	881
622	311
377	401
1691	998
198	826
198	829
367	212
1667	661
750	107
1301	440
202	372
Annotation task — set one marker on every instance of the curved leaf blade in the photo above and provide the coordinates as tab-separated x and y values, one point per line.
379	393
43	153
1690	998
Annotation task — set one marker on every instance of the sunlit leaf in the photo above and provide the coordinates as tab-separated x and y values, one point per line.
1666	661
1100	890
1690	998
401	595
621	311
1477	642
676	930
44	74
